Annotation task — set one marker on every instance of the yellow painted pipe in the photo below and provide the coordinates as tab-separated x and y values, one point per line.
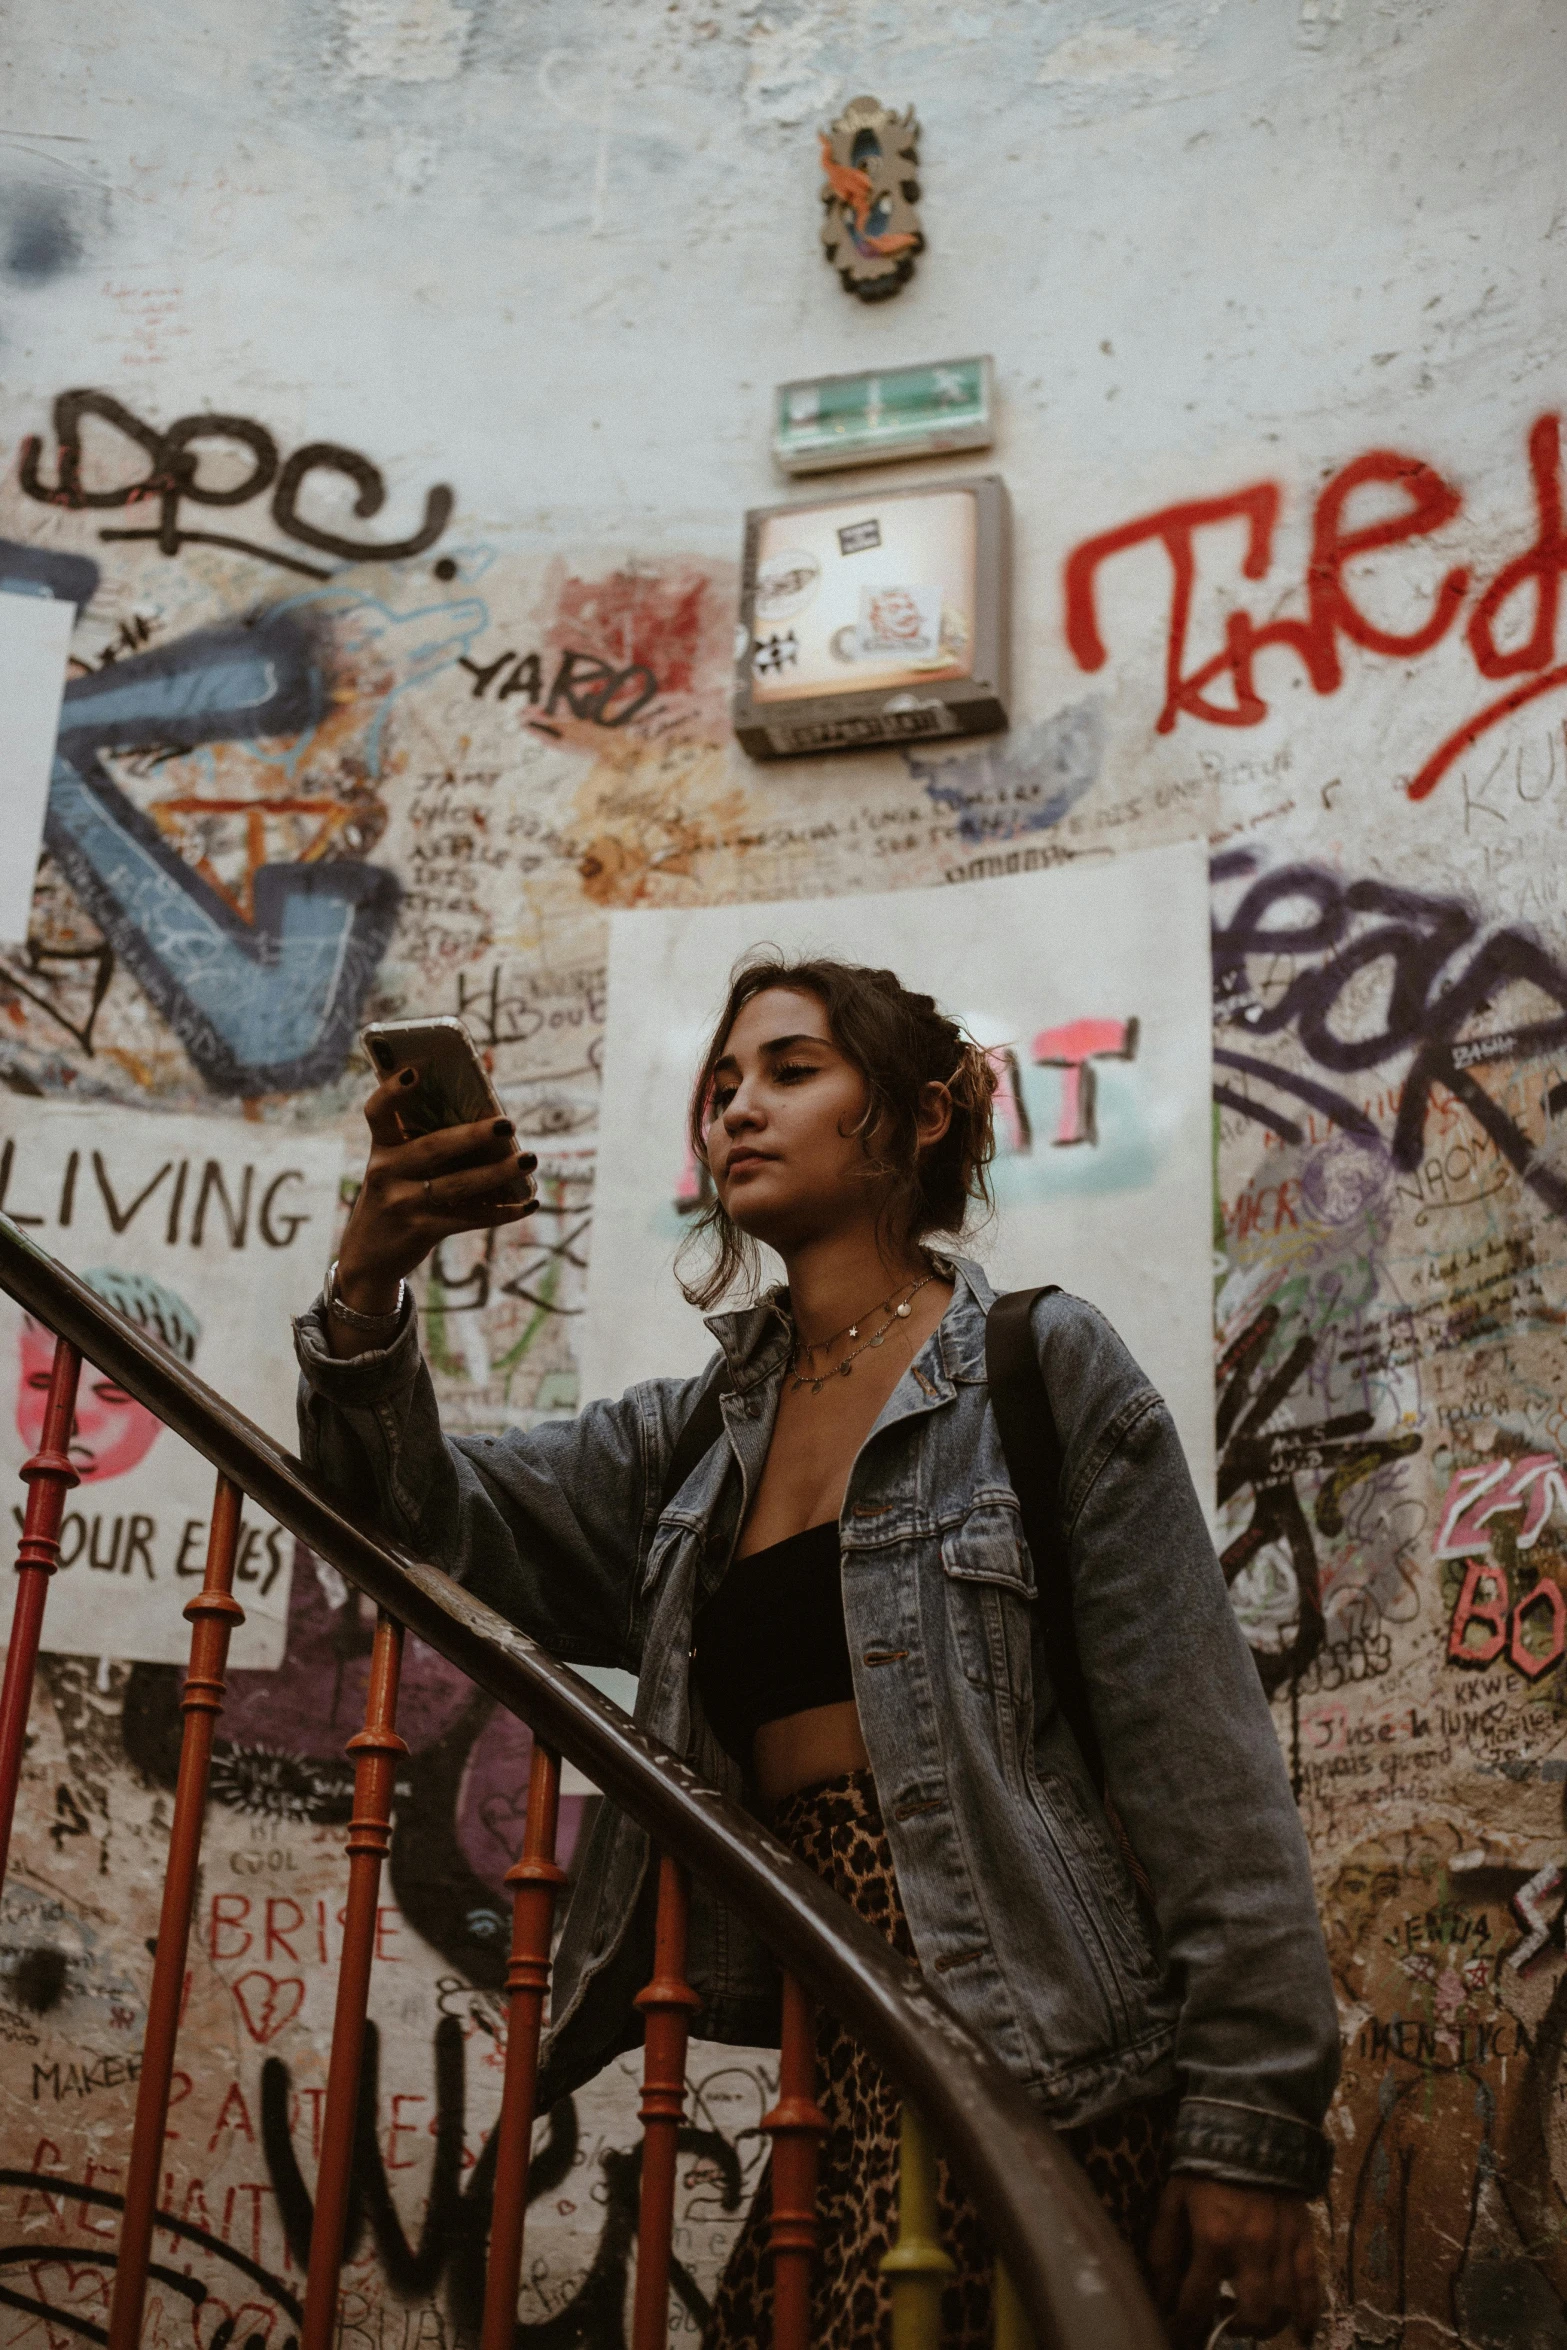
916	2267
1012	2327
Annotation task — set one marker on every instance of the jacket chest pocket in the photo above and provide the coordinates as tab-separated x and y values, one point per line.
989	1582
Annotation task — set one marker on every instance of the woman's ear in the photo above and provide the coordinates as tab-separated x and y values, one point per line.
933	1115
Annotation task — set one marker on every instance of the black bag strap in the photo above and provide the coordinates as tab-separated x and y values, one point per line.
703	1428
1021	1403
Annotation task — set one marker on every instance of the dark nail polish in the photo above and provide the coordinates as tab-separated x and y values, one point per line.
532	1208
504	1126
527	1161
409	1077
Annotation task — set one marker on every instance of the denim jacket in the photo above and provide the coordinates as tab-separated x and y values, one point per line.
1021	1905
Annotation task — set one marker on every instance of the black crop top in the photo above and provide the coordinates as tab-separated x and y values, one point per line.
771	1640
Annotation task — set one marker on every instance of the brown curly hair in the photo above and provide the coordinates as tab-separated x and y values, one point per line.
900	1042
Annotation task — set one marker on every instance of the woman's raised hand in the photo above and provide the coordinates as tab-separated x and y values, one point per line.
419	1192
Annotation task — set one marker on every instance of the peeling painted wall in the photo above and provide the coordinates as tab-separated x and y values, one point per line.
1274	296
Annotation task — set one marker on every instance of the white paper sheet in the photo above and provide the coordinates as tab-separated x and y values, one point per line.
35	638
210	1233
1055	966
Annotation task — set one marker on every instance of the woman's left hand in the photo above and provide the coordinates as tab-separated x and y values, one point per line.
1258	2240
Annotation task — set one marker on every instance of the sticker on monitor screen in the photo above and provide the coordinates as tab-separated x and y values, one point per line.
856	537
785	583
901	623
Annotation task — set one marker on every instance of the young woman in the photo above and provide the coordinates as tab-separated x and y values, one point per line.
835	1618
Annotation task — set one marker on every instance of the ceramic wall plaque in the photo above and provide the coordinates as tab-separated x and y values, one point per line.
871	233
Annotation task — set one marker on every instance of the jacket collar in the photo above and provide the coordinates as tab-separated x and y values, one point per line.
755	1339
960	1334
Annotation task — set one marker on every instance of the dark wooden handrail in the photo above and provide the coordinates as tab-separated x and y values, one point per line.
1077	2282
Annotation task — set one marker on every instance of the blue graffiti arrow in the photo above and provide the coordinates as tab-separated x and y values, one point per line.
45	571
261	1007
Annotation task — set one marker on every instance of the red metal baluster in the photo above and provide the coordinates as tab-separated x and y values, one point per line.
538	1880
375	1750
667	2002
212	1614
795	2125
49	1477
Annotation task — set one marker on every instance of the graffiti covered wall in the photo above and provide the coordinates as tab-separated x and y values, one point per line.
384	385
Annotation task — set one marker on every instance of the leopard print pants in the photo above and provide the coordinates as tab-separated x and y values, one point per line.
837	1830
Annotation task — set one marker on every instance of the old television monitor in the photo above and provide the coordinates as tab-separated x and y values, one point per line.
877	618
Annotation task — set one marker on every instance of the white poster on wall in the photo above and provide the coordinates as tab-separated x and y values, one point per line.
1090	986
208	1234
35	642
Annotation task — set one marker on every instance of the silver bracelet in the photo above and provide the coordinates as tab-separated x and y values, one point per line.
379	1325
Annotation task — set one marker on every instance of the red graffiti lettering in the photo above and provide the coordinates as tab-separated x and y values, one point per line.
317	2098
1483	1600
93	2172
1532	1662
1482	722
1073	1049
1333	616
45	2150
1332	610
233	2099
255	2190
194	2209
693	1185
1534	1630
275	1933
229	1911
1008	1108
180	2086
1540	566
400	2128
1257	506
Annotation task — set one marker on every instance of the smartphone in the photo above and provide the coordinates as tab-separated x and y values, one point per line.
454	1087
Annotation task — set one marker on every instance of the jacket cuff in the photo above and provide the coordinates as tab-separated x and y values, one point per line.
361	1380
1249	2147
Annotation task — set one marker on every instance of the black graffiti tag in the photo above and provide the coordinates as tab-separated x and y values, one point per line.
534	1282
1340	1451
81	2192
456	2227
171	478
583	685
1335	931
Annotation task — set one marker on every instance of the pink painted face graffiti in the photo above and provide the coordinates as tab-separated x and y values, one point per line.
111	1431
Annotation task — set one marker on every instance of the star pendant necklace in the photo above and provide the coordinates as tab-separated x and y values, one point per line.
897	1308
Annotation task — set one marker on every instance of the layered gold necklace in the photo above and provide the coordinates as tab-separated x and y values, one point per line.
897	1308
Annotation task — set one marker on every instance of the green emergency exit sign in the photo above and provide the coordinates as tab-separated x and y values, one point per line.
828	421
